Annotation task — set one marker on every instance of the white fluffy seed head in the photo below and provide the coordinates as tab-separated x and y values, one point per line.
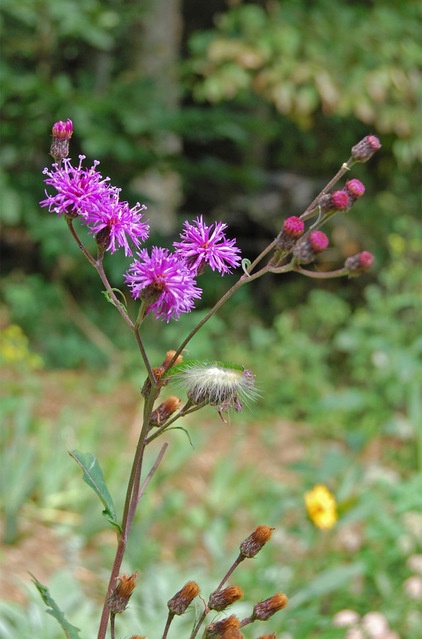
222	385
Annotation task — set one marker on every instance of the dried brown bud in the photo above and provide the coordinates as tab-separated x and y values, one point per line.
181	600
118	599
267	608
158	372
272	636
219	600
232	633
223	629
164	411
169	357
253	544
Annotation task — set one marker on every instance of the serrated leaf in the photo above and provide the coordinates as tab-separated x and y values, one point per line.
71	632
93	476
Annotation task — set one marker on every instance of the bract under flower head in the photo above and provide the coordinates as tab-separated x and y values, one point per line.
201	245
166	280
80	191
217	384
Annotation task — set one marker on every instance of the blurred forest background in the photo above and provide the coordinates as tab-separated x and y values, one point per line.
239	111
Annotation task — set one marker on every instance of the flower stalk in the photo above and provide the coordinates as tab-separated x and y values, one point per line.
165	283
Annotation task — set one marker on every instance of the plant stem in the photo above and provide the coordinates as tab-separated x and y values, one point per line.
98	265
310	211
170	618
244	279
133	495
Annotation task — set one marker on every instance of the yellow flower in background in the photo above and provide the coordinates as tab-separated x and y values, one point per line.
14	348
321	506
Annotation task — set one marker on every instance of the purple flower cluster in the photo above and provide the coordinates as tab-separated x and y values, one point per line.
83	193
164	281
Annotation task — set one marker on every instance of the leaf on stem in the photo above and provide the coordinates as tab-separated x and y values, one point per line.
109	298
71	632
93	476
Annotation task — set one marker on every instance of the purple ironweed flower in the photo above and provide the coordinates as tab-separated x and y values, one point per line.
80	191
164	282
114	222
201	245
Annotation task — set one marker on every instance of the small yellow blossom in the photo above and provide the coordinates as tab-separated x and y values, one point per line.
321	506
14	349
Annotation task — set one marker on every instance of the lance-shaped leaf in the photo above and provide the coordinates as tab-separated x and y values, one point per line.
71	632
93	476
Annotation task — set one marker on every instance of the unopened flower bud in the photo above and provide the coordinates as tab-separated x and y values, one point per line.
177	605
359	263
253	544
354	188
272	636
365	149
221	599
293	228
340	201
164	411
223	629
308	247
62	132
119	597
267	608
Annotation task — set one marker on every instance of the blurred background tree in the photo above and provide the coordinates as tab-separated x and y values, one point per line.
236	110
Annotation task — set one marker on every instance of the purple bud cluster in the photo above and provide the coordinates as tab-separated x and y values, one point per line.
164	280
305	246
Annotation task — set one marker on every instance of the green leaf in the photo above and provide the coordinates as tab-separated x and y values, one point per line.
93	476
71	632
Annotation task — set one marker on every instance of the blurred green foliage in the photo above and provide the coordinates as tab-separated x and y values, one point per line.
302	58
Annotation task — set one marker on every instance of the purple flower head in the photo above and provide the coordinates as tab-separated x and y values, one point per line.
201	245
114	222
164	282
79	190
